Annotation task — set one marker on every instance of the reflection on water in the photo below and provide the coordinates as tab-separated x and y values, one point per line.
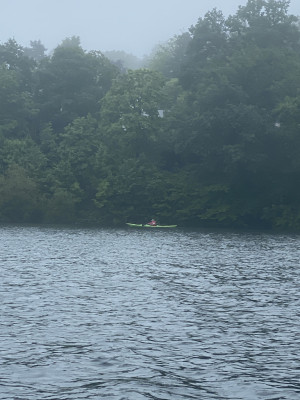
139	314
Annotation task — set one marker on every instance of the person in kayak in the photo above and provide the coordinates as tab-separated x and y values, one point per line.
152	222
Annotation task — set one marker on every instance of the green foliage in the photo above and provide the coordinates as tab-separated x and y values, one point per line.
129	114
208	135
78	151
17	109
20	200
61	207
36	50
22	152
71	83
169	58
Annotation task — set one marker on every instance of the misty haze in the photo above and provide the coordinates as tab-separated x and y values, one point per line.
150	200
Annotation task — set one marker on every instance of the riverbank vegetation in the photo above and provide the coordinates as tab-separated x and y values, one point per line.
207	134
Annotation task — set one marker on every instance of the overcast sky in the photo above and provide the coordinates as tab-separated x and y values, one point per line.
134	26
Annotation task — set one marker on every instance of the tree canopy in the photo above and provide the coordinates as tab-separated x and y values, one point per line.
206	135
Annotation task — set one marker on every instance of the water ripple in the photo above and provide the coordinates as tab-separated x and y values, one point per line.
134	314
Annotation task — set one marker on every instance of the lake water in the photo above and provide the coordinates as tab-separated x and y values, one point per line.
148	314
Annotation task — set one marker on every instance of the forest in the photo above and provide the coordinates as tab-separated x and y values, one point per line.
207	134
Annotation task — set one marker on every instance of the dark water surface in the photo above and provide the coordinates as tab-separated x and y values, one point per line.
148	314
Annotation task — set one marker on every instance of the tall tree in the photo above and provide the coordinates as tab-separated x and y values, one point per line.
17	111
36	50
170	57
130	113
71	82
131	127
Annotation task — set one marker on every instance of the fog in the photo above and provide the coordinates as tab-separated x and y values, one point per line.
134	26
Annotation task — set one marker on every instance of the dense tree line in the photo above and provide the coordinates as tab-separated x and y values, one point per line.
207	134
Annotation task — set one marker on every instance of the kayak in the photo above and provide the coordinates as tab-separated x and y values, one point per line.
150	226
